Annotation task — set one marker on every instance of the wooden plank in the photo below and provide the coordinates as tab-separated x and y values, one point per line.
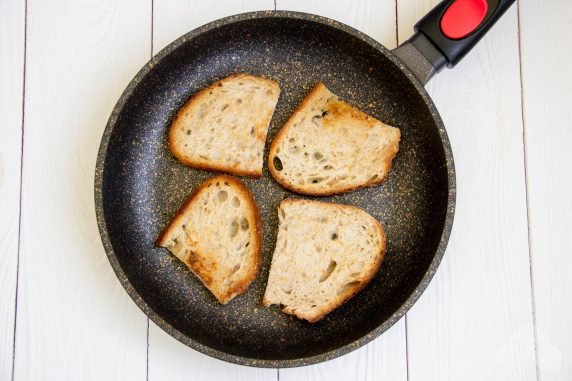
374	18
12	25
173	18
382	359
475	320
547	90
169	359
75	322
385	358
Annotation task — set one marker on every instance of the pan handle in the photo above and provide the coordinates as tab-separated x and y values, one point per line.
447	33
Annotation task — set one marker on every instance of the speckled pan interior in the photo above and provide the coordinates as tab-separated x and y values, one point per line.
139	185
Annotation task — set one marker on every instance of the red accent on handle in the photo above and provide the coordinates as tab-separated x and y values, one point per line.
463	17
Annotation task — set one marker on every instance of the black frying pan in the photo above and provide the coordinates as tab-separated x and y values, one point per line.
139	185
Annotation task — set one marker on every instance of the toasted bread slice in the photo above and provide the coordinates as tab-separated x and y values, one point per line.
325	253
329	147
224	126
217	234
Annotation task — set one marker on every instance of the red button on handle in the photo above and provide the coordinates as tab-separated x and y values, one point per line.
463	17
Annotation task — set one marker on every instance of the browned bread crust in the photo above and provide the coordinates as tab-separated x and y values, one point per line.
321	272
195	242
329	147
223	127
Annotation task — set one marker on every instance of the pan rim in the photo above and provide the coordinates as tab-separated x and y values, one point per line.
241	360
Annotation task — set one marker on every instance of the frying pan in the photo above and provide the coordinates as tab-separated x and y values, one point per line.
139	185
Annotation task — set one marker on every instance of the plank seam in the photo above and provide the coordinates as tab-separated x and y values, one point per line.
535	333
396	26
152	26
21	182
147	362
406	350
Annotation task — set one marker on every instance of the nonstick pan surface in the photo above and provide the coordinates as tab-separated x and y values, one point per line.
139	185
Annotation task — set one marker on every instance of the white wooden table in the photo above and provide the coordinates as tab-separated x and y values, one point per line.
500	306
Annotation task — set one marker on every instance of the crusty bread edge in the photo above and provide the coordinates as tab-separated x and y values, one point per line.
280	136
342	299
241	287
288	185
198	96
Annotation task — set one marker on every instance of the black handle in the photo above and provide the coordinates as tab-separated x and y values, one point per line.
447	33
455	48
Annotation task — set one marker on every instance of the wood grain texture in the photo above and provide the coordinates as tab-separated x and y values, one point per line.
75	321
547	91
375	18
173	18
475	320
169	359
384	358
473	323
12	21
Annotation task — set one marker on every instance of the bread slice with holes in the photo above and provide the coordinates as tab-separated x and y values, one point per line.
224	126
325	253
217	234
329	147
